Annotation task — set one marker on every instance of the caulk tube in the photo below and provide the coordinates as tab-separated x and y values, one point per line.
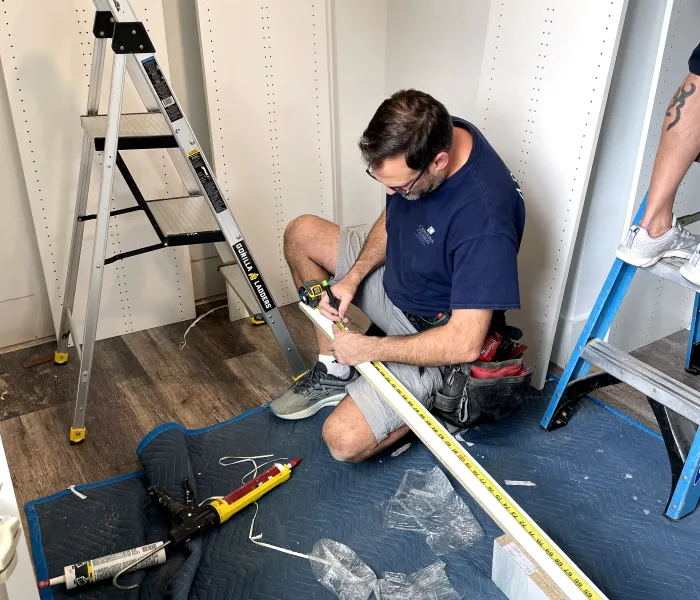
105	567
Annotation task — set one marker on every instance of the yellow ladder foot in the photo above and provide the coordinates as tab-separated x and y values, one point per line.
257	319
77	435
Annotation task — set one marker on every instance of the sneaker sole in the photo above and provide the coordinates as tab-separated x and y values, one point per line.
647	261
313	409
691	275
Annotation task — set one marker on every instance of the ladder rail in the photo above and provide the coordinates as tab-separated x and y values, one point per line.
201	170
676	406
65	329
152	104
100	248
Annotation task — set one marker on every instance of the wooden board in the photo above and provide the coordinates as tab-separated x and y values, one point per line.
516	574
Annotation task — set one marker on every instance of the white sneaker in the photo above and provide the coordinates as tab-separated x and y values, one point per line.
642	250
691	271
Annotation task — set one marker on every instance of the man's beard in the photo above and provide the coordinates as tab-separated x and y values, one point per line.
434	182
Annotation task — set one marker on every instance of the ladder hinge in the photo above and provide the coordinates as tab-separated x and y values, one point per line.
131	38
104	24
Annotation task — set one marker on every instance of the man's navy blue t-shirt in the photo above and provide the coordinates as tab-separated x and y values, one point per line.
458	246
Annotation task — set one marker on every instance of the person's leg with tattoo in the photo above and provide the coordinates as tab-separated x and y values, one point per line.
679	147
658	235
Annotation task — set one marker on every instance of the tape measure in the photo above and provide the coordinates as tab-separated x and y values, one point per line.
533	531
456	449
310	292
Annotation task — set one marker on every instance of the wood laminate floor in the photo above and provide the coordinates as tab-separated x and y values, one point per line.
143	379
139	381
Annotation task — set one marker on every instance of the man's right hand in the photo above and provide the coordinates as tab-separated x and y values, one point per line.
344	291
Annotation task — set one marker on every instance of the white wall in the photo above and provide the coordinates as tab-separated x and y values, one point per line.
24	304
606	204
541	104
187	79
268	89
358	37
382	46
145	291
437	47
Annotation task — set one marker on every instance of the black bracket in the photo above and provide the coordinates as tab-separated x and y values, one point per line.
694	359
131	38
573	392
104	24
113	213
676	441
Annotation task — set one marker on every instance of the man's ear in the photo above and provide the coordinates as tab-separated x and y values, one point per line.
440	161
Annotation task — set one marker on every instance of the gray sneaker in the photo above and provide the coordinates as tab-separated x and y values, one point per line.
691	270
642	250
311	393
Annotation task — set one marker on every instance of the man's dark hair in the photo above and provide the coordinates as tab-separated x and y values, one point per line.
411	124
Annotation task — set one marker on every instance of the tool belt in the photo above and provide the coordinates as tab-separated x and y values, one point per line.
486	390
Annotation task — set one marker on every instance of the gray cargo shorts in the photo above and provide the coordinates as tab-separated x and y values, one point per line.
372	300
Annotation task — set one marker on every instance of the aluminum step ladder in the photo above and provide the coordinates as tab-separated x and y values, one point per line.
676	406
203	216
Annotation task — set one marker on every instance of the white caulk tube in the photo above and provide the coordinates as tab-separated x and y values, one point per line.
105	567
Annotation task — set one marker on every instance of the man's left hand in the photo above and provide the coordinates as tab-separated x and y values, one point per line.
351	348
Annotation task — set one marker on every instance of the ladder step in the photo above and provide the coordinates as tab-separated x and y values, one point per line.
237	281
183	216
130	125
653	383
669	268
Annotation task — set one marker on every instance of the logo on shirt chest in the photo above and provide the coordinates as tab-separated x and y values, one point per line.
424	235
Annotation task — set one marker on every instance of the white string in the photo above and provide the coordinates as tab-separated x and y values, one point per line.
241	459
255	539
210	498
183	343
257	466
235	462
77	493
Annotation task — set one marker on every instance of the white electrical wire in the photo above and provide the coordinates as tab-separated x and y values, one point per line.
77	493
256	538
183	343
241	459
257	466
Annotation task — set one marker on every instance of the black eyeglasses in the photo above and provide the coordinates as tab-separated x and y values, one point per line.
404	190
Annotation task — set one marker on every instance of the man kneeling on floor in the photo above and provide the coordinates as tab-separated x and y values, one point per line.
433	273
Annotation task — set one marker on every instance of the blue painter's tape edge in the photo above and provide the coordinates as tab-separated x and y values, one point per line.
622	415
151	435
42	569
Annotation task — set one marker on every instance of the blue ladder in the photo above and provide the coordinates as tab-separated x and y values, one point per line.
675	405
